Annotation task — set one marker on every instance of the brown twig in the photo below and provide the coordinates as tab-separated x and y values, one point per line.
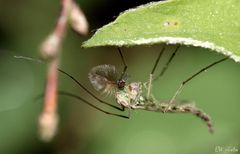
51	50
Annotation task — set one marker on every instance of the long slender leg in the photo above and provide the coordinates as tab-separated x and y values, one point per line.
167	64
29	59
89	92
189	79
152	72
124	63
88	103
75	80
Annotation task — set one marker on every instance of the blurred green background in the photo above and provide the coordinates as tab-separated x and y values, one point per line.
23	26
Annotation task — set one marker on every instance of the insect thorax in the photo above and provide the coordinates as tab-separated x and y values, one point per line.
130	96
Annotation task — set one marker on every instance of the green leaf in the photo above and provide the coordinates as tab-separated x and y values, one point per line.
213	24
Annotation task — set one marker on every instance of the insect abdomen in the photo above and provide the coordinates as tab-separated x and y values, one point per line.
182	108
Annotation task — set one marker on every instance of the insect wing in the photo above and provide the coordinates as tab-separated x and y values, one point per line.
103	78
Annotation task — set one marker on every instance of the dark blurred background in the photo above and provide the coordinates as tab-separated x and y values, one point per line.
23	26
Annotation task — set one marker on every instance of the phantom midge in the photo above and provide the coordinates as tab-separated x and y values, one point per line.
137	95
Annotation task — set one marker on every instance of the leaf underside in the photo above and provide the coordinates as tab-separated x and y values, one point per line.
212	24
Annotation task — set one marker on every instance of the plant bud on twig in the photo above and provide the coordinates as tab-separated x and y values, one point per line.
51	46
77	20
50	50
48	124
48	120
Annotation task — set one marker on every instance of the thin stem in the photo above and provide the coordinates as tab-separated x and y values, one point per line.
50	98
61	24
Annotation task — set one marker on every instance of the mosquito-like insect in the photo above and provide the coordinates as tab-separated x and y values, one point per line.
137	95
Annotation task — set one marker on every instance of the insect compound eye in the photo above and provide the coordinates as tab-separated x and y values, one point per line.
121	84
